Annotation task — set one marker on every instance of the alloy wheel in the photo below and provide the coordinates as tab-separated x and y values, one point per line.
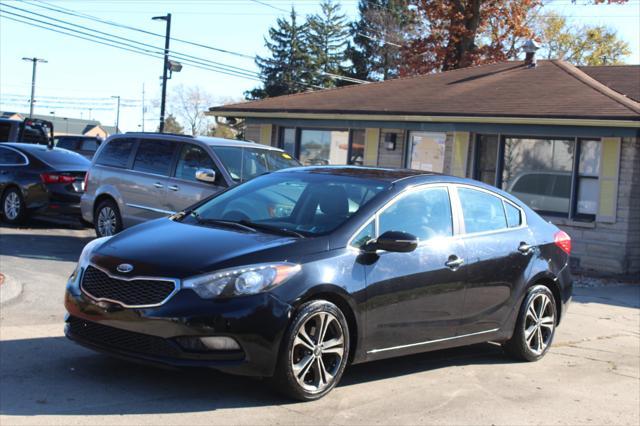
12	206
107	221
539	323
317	352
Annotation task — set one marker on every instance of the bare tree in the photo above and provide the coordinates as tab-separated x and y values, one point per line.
190	104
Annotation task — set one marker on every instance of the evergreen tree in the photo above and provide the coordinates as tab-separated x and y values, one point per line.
290	68
328	37
378	37
171	125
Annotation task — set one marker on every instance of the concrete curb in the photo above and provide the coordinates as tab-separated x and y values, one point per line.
9	290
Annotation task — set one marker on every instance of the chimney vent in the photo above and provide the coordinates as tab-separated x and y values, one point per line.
530	48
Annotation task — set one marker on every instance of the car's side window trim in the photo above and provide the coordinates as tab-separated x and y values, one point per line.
26	159
409	190
463	233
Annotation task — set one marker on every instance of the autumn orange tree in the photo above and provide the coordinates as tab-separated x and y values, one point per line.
459	33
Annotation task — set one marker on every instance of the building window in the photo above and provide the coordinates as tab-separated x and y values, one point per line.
426	151
320	147
551	175
356	153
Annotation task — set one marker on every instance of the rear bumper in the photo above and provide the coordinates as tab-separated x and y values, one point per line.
155	335
565	281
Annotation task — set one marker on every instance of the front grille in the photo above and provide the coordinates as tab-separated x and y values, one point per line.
137	292
116	338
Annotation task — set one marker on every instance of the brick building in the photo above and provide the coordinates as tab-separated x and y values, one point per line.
565	140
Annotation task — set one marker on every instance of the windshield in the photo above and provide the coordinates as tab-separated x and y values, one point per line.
303	203
246	163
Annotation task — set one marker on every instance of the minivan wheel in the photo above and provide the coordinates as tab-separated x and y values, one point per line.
13	208
106	219
535	327
314	353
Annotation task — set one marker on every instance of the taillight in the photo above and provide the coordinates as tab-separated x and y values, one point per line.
563	240
56	178
86	182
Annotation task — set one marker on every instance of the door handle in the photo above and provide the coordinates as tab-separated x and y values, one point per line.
454	262
158	185
173	187
525	248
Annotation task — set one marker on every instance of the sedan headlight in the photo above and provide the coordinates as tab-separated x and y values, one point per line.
246	280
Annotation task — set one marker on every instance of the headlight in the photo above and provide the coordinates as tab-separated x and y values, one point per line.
251	279
86	254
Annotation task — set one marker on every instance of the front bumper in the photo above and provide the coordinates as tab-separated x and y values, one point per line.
155	335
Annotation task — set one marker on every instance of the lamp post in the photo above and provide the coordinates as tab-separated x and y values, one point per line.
165	66
33	81
117	114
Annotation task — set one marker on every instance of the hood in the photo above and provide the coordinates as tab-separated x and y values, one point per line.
167	248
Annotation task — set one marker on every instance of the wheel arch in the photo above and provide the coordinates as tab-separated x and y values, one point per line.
339	297
551	282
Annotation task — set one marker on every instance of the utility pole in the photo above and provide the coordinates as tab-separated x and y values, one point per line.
117	114
33	81
165	67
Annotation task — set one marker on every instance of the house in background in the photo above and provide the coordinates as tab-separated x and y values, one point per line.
68	126
565	140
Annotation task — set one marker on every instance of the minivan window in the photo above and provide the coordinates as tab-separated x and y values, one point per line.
191	159
482	211
116	153
154	156
67	144
425	213
90	145
246	163
10	157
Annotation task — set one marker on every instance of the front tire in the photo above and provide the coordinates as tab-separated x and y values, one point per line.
14	210
106	218
314	353
535	327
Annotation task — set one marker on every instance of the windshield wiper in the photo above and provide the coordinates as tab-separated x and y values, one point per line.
220	222
275	229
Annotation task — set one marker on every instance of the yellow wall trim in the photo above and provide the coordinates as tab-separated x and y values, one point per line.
371	139
609	169
265	134
432	119
460	153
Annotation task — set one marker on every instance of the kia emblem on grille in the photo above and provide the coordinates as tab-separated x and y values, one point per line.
125	268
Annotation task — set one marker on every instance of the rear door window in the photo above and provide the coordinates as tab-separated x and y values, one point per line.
482	211
9	157
116	153
154	156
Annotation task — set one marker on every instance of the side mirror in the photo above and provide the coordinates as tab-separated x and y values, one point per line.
206	175
393	241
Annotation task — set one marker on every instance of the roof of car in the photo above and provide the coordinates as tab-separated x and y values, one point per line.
207	140
364	172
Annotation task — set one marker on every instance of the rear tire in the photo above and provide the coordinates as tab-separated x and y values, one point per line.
106	218
314	352
14	210
535	327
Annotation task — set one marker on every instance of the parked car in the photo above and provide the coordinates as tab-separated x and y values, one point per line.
136	177
28	131
360	264
38	178
83	145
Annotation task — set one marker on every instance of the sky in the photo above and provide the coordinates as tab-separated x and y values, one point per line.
81	77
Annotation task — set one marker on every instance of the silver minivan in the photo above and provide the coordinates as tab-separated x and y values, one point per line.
135	177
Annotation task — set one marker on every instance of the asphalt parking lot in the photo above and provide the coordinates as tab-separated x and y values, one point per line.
590	376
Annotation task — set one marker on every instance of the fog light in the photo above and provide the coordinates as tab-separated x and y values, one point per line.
220	343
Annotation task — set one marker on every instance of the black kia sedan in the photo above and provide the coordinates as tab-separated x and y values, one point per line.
36	178
295	274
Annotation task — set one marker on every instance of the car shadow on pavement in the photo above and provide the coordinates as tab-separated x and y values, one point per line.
52	376
41	246
624	295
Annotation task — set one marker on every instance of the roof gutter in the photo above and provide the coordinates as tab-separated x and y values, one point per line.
429	118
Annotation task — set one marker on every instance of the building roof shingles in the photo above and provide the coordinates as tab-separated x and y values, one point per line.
553	89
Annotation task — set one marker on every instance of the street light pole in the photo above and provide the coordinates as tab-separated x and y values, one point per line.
117	114
33	81
165	67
